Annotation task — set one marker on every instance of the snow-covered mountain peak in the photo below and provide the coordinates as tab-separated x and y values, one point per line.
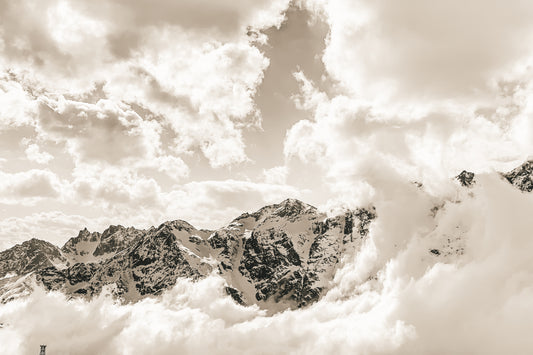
177	224
31	255
291	208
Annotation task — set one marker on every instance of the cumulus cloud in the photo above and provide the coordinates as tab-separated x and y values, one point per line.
33	152
171	165
16	107
356	146
76	37
29	186
276	175
415	52
197	73
206	115
115	188
483	292
101	132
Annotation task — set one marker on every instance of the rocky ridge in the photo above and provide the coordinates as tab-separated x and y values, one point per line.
522	176
281	256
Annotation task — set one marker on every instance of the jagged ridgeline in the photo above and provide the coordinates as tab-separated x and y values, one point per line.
282	256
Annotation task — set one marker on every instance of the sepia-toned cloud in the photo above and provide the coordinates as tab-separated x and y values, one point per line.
135	113
412	52
29	186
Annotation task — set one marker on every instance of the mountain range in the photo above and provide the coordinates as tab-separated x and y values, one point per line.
281	256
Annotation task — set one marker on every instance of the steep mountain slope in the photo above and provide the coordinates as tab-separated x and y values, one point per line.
30	256
284	255
522	176
23	260
135	263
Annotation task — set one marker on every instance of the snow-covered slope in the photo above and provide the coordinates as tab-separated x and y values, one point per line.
19	263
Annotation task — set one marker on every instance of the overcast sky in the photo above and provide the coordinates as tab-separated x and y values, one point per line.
133	113
137	112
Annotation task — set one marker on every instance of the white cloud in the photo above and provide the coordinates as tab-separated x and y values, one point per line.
354	146
119	190
412	53
203	88
17	108
198	70
222	21
33	153
27	187
276	175
102	132
173	166
211	204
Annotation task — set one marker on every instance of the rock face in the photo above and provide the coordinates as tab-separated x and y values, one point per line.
522	176
134	263
93	247
282	256
466	178
30	256
286	253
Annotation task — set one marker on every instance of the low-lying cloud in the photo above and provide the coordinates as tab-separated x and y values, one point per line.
394	297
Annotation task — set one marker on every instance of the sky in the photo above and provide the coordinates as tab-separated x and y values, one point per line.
134	113
137	113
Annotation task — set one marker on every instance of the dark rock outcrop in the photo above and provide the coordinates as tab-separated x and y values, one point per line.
522	176
466	178
30	256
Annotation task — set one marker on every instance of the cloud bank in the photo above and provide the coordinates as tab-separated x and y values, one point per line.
394	297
